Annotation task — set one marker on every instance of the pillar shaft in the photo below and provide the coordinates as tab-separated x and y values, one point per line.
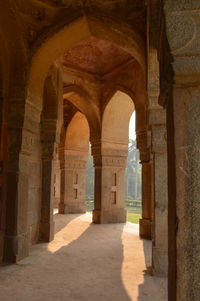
147	199
147	184
47	223
160	220
49	146
16	239
110	196
56	182
187	141
73	182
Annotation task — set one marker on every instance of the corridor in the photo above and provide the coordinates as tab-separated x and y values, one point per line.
85	262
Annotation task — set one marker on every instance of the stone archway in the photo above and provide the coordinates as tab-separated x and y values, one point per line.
110	154
51	122
73	160
32	107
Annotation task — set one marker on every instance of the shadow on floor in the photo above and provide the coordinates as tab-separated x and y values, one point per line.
85	262
79	265
153	288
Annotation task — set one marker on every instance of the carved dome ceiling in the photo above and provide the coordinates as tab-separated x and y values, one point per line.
96	56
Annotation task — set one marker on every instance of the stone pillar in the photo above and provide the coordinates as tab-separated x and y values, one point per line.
16	239
180	89
3	178
147	199
160	221
56	181
73	180
48	154
157	127
109	204
187	142
47	223
147	185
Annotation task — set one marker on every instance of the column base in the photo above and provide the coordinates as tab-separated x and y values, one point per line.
47	231
145	228
16	247
75	207
116	215
159	262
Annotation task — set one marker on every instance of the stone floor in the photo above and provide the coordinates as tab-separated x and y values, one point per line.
85	262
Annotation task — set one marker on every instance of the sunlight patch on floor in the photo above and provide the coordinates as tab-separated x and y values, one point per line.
133	252
68	234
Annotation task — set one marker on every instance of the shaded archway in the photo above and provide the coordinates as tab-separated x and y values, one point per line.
85	27
29	121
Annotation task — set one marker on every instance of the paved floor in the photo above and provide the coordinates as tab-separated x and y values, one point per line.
85	262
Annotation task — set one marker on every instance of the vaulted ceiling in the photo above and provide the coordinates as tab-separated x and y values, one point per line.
96	56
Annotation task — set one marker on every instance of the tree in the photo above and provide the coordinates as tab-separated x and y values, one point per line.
133	172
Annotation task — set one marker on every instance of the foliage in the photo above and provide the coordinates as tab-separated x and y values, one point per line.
133	172
90	177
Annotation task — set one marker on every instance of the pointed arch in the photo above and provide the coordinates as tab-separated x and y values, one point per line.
68	35
82	101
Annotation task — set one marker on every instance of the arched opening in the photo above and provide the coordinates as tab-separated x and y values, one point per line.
41	33
90	182
133	177
94	69
73	161
87	64
110	172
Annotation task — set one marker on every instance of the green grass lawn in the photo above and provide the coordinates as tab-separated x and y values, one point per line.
133	217
133	212
130	217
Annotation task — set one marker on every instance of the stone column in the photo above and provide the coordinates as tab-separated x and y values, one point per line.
158	149
16	239
187	142
160	220
23	133
56	181
147	199
147	184
47	223
3	178
109	164
73	180
48	154
181	92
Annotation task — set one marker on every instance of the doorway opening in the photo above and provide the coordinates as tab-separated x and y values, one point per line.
90	183
133	177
